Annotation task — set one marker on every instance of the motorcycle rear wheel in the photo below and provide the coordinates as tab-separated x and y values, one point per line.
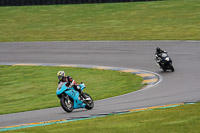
67	104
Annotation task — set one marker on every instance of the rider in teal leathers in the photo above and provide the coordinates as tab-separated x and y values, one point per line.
70	82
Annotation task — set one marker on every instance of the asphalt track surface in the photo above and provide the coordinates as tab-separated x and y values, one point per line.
176	87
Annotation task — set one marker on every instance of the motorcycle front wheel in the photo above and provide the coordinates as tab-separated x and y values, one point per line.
163	68
67	104
171	67
89	103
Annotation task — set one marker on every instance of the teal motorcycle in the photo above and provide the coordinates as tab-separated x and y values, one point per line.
71	99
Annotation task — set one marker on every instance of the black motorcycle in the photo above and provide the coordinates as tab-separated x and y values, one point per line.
164	62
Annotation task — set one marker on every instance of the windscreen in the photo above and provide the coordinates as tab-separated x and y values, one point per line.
164	55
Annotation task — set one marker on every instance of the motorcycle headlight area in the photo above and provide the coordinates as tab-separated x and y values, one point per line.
167	59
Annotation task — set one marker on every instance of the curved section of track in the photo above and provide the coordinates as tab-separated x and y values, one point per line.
180	86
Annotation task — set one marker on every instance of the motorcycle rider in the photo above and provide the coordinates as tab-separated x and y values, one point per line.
158	55
70	82
159	51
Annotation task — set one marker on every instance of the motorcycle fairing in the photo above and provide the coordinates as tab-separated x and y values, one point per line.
72	93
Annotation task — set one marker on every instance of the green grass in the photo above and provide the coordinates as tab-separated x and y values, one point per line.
182	119
154	20
26	88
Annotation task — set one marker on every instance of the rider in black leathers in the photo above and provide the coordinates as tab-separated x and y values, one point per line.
159	51
158	54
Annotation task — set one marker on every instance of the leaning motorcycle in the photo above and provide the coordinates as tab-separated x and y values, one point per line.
164	62
71	99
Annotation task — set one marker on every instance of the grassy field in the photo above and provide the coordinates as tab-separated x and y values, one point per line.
154	20
30	88
34	87
182	119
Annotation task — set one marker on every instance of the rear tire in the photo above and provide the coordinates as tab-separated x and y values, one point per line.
89	104
67	104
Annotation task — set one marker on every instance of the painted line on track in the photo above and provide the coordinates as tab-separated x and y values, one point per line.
149	78
45	123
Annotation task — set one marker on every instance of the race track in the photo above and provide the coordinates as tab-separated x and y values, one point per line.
180	86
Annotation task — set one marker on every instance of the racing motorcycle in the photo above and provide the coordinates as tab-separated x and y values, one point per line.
71	99
164	62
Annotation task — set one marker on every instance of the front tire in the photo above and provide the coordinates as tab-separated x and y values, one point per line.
163	68
67	104
171	67
89	103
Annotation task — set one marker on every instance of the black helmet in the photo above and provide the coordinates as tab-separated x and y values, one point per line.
158	50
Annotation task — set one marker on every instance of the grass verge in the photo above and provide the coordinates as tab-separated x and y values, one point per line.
153	20
26	88
182	119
